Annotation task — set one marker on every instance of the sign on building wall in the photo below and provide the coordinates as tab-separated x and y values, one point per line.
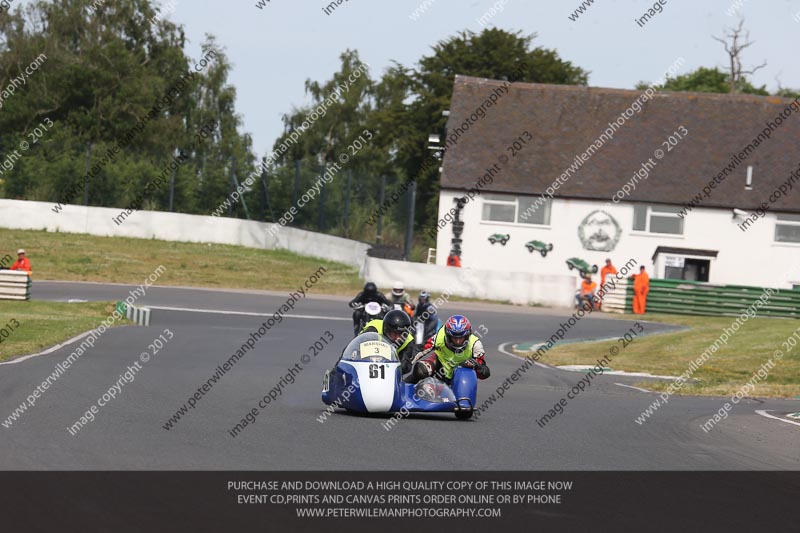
599	232
672	261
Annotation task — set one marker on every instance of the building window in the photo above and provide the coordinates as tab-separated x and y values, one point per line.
639	218
499	208
523	210
533	210
657	219
787	228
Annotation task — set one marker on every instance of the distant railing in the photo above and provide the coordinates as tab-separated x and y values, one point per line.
431	259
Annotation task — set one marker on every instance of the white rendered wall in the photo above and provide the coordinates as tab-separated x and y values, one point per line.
515	287
745	258
17	214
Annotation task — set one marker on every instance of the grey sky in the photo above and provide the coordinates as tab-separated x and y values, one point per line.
275	49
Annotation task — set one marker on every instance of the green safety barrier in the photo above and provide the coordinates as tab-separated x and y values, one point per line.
697	298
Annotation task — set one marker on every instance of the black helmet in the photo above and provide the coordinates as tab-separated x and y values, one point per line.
396	324
424	297
370	288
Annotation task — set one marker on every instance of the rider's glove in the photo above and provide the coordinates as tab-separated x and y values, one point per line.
480	368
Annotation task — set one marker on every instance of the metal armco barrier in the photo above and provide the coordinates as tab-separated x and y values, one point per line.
140	315
696	298
15	285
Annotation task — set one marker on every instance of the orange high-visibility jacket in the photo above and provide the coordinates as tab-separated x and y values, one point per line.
605	271
587	287
22	264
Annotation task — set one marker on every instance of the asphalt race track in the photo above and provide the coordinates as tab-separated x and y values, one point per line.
597	430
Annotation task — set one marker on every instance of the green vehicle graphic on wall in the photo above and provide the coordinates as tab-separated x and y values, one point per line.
502	238
539	246
582	266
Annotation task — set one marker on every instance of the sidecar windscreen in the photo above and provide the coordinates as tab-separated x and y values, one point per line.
370	347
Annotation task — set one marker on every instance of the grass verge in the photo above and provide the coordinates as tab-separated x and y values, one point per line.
76	257
724	373
29	327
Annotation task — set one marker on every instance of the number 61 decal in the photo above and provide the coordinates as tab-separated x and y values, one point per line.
373	371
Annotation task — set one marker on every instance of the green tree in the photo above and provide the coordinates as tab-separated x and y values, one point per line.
227	151
788	93
706	80
339	124
400	110
107	65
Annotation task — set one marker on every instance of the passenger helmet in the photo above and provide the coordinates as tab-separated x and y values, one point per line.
395	324
457	330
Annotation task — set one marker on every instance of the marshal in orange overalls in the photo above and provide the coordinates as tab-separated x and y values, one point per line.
605	271
641	286
453	260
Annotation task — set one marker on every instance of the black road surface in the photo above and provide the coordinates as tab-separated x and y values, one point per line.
597	430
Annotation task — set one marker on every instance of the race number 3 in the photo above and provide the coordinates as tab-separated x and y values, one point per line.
374	370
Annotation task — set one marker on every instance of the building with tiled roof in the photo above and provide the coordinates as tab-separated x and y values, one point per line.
691	185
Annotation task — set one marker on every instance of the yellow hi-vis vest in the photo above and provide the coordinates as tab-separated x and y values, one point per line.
447	357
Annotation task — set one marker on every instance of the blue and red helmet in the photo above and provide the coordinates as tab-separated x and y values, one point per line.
457	330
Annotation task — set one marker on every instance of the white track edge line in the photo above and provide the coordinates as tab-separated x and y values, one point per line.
501	349
766	414
241	313
49	350
634	388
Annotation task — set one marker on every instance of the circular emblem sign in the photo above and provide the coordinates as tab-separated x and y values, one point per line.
599	232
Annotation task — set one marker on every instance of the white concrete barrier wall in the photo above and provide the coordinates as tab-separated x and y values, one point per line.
18	214
14	285
516	287
614	298
139	315
319	245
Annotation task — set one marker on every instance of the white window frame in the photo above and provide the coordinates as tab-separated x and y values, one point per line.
648	216
513	201
779	222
